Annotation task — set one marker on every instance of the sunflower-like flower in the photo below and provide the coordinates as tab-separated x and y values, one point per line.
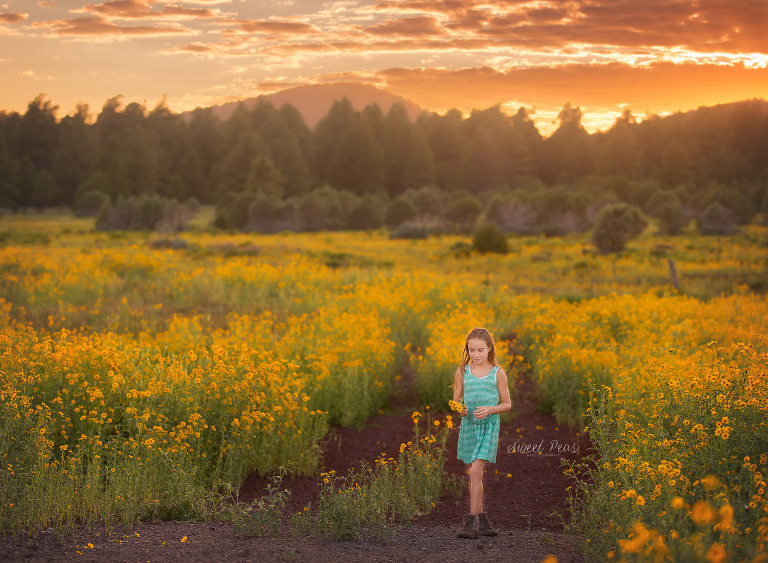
456	406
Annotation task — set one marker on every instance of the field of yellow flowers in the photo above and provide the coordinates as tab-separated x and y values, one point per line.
674	393
142	376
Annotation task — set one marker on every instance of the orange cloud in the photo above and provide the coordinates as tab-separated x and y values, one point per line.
99	26
504	33
12	17
363	47
275	27
139	9
704	25
415	26
707	25
195	48
615	30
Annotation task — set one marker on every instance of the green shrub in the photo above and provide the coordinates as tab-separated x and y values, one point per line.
461	249
615	225
488	238
148	213
428	200
464	211
90	203
368	213
261	516
174	243
324	209
671	217
269	214
145	213
717	220
368	502
96	182
512	214
117	217
400	210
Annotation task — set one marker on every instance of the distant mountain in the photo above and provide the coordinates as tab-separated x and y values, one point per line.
314	101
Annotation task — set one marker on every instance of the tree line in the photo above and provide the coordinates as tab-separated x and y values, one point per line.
265	169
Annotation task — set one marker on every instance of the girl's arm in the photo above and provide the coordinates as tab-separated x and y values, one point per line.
505	402
458	389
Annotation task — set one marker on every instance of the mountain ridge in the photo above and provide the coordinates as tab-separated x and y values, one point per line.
314	100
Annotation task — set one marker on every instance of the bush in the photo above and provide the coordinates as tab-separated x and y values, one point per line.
428	200
464	211
177	215
737	199
96	182
671	217
368	213
90	203
717	220
324	209
400	210
615	225
174	243
117	217
410	230
512	215
488	238
270	214
560	211
238	209
147	212
658	200
461	249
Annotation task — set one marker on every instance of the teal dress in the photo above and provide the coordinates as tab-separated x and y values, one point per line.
479	439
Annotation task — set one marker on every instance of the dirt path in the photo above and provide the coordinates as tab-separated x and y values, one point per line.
525	499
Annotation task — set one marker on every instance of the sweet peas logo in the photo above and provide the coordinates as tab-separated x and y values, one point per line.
542	448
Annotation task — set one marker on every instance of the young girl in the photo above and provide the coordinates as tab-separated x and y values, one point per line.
483	385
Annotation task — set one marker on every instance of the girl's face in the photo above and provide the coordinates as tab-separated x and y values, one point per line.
478	350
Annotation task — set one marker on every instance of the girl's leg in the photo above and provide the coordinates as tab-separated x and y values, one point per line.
476	487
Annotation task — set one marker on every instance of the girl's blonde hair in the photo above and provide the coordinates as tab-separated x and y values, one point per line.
484	335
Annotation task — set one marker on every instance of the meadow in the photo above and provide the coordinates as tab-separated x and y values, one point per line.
145	376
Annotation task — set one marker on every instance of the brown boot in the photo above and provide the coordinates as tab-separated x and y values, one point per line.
485	527
471	528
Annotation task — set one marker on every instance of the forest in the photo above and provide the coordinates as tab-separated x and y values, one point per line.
265	170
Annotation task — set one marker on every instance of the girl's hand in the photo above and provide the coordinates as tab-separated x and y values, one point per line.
481	412
463	411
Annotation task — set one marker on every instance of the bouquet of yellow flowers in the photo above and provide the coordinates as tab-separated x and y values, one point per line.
456	405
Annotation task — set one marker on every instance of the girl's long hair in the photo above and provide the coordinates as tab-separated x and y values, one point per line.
484	335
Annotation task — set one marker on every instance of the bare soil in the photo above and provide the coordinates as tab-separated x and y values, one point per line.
525	498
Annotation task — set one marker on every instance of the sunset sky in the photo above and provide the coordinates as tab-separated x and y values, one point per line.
650	56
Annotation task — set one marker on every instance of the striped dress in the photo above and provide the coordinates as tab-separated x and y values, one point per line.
479	439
